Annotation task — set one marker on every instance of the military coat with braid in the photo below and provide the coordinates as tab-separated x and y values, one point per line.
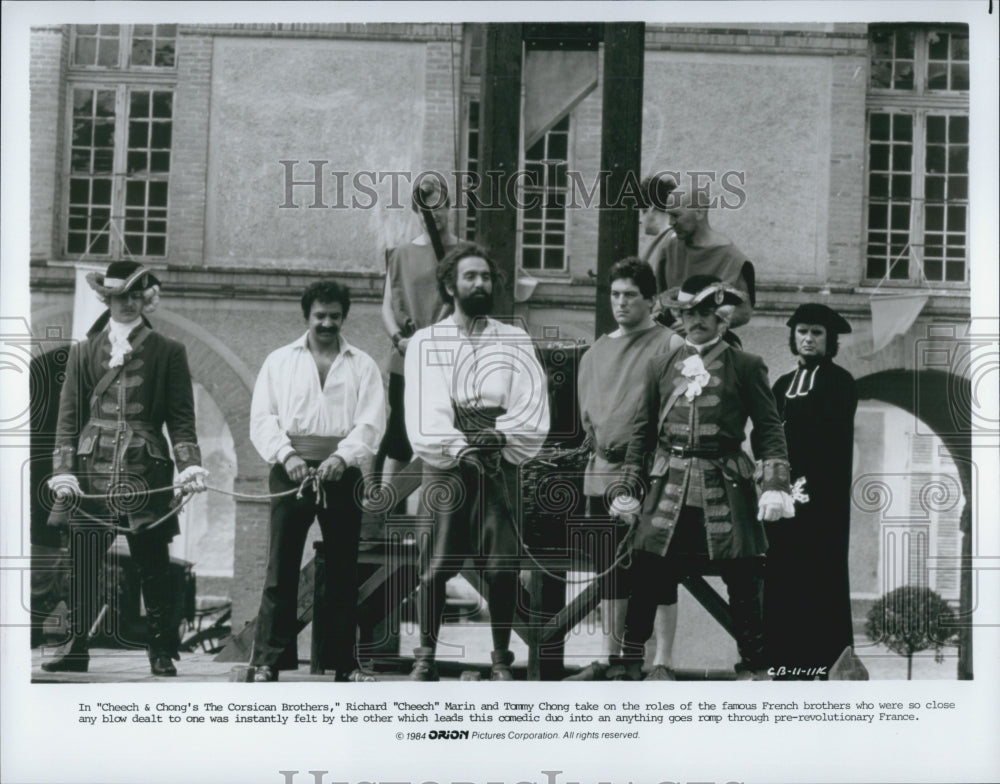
110	430
693	454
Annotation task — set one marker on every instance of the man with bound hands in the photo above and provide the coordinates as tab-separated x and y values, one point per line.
318	411
476	407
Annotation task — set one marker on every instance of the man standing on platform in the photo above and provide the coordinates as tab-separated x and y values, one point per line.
476	407
609	388
318	410
123	384
701	505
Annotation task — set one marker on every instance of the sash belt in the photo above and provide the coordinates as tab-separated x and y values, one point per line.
315	447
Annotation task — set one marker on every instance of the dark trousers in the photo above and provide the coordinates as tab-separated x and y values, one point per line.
688	554
291	518
473	519
88	549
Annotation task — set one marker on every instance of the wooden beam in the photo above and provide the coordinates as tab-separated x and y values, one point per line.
710	599
547	596
621	156
240	645
500	100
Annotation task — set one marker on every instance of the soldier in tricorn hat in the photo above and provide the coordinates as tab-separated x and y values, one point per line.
701	504
123	384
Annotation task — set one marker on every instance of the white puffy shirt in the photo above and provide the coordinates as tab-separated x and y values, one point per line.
288	400
495	368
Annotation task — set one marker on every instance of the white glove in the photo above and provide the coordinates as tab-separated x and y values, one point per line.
192	479
64	486
774	505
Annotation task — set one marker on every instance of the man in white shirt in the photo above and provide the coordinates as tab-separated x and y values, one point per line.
318	410
476	407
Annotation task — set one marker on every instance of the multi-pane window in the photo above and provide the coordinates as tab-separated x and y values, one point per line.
543	198
154	45
474	43
908	58
946	197
97	45
120	143
472	165
92	154
124	46
473	37
543	188
119	169
918	154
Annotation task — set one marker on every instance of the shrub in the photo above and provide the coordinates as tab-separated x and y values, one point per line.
911	619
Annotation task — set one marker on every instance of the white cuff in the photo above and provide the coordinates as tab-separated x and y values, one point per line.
774	505
64	484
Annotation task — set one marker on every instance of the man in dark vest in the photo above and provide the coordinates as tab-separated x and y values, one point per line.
123	384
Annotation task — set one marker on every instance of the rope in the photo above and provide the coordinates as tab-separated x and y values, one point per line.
311	482
623	555
126	530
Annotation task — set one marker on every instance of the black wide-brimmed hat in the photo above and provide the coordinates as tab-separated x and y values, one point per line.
121	278
703	290
815	313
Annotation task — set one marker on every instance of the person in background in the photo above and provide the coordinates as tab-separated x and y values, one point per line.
696	248
318	410
655	193
123	384
807	596
411	302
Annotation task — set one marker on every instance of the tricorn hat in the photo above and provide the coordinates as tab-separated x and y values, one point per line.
814	313
121	278
701	291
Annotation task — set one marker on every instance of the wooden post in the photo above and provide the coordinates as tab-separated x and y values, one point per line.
621	152
496	222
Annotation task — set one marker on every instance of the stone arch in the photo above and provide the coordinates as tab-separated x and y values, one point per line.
226	378
935	397
940	400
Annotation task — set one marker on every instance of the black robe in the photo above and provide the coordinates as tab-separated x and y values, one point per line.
807	603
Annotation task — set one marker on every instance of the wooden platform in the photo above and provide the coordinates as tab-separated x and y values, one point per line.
389	563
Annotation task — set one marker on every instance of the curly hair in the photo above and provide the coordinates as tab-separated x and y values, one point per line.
447	268
638	271
150	298
325	291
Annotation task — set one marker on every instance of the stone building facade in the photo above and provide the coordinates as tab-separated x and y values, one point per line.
244	161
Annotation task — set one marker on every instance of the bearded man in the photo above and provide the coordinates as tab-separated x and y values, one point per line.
476	407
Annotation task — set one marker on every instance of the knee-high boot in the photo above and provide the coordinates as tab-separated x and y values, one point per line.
746	603
160	621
